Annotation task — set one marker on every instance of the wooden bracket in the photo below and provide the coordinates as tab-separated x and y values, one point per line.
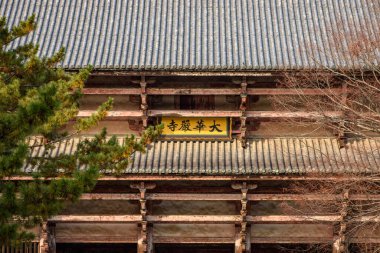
243	108
242	238
145	237
144	102
340	244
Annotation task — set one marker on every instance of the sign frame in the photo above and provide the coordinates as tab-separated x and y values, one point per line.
227	136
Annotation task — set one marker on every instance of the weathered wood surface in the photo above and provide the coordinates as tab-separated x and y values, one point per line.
206	219
121	114
224	197
209	91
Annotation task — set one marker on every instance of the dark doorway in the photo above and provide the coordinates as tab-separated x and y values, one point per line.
194	248
96	248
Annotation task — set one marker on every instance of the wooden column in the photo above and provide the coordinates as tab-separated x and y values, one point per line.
243	108
144	102
47	238
242	237
145	237
340	244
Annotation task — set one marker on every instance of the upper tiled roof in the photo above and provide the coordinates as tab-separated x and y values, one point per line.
187	35
269	156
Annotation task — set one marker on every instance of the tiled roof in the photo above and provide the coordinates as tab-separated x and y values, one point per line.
270	156
188	35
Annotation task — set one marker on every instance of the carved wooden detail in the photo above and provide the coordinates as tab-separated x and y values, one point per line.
340	244
243	108
145	240
144	102
242	239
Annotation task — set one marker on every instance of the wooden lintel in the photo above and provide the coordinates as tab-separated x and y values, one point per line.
210	91
280	91
293	218
199	113
293	115
95	218
290	240
190	113
201	219
191	219
219	240
191	240
193	91
96	239
113	114
225	197
111	91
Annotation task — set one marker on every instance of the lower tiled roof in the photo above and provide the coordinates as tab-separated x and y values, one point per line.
264	156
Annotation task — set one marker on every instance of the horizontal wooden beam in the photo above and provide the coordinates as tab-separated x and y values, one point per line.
96	219
191	113
293	219
281	91
292	115
96	239
204	219
209	91
290	240
194	219
122	114
193	91
210	240
113	114
111	91
225	197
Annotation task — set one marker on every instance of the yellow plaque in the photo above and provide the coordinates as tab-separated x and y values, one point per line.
196	127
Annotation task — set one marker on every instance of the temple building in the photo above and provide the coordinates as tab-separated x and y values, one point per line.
217	179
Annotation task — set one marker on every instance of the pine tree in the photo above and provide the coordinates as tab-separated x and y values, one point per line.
36	98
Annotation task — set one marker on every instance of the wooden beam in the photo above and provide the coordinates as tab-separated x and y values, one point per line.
122	114
96	218
290	240
210	240
193	240
204	219
112	114
193	91
293	218
194	219
111	91
210	91
191	113
293	115
225	197
96	239
280	91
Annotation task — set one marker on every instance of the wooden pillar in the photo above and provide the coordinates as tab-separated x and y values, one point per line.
340	244
242	237
144	102
47	238
145	236
243	108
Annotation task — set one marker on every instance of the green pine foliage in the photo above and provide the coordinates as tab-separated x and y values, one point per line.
36	98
